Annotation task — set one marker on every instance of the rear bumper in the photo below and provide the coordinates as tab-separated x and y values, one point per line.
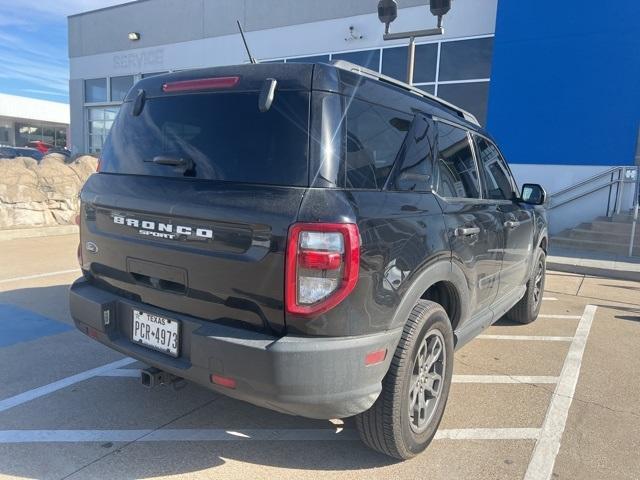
309	376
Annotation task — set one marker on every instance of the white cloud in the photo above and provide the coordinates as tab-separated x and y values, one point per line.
33	49
56	8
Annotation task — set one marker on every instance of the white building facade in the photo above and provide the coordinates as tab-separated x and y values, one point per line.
193	34
24	120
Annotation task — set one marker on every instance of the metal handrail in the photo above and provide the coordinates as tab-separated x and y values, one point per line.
636	206
586	181
620	181
583	194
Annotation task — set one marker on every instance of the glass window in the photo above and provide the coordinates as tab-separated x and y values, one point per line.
374	137
497	179
414	173
4	134
455	173
48	135
367	58
220	136
394	63
95	90
120	86
466	59
431	89
472	97
315	59
25	133
61	137
100	122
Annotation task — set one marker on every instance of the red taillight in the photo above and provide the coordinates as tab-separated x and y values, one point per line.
322	264
99	166
201	84
320	260
226	382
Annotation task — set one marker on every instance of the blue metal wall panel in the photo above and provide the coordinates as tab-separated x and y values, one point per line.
565	83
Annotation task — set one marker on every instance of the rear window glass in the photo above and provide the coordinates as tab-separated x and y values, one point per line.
213	136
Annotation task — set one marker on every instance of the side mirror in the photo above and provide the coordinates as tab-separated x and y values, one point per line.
533	194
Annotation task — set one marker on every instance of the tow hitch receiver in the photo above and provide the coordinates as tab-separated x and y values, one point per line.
152	377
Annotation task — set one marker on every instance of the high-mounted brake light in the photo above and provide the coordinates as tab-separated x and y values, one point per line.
214	83
322	266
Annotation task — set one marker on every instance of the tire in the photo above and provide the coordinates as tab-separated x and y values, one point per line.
388	426
528	308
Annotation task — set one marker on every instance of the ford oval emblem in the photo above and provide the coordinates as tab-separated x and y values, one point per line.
92	247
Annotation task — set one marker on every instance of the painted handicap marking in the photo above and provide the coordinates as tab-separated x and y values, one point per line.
21	325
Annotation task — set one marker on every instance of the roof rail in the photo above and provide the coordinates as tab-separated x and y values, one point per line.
352	67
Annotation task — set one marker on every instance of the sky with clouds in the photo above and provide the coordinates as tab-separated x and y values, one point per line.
33	46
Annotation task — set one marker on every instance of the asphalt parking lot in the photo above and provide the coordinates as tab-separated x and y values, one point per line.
559	398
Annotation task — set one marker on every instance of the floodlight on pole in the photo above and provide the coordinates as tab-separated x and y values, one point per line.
388	12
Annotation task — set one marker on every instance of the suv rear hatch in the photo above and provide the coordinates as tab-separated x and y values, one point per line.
196	191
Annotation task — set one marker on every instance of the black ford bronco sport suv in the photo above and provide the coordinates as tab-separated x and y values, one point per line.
316	239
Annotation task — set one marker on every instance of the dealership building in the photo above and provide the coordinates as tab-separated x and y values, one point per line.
24	120
557	89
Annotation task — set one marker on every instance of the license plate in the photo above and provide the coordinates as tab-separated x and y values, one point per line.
156	332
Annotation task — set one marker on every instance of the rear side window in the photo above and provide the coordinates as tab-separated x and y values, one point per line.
414	171
375	136
220	136
455	172
498	182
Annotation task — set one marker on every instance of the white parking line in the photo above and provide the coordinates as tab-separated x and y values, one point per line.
503	379
571	317
39	275
29	395
220	435
541	338
550	299
488	434
547	447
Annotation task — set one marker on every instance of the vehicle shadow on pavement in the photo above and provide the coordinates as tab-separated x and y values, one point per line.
634	312
134	407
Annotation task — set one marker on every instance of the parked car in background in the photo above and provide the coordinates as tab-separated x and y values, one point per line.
60	150
41	146
13	152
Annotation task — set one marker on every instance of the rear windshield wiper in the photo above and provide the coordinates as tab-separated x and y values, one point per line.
173	161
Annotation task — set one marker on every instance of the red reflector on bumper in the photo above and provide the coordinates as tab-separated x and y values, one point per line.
223	381
375	357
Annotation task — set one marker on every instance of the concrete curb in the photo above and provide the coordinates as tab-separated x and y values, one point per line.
38	232
615	273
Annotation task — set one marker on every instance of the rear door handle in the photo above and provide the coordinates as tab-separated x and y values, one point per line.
466	231
511	224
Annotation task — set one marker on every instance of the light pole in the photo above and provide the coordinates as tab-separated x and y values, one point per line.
388	12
